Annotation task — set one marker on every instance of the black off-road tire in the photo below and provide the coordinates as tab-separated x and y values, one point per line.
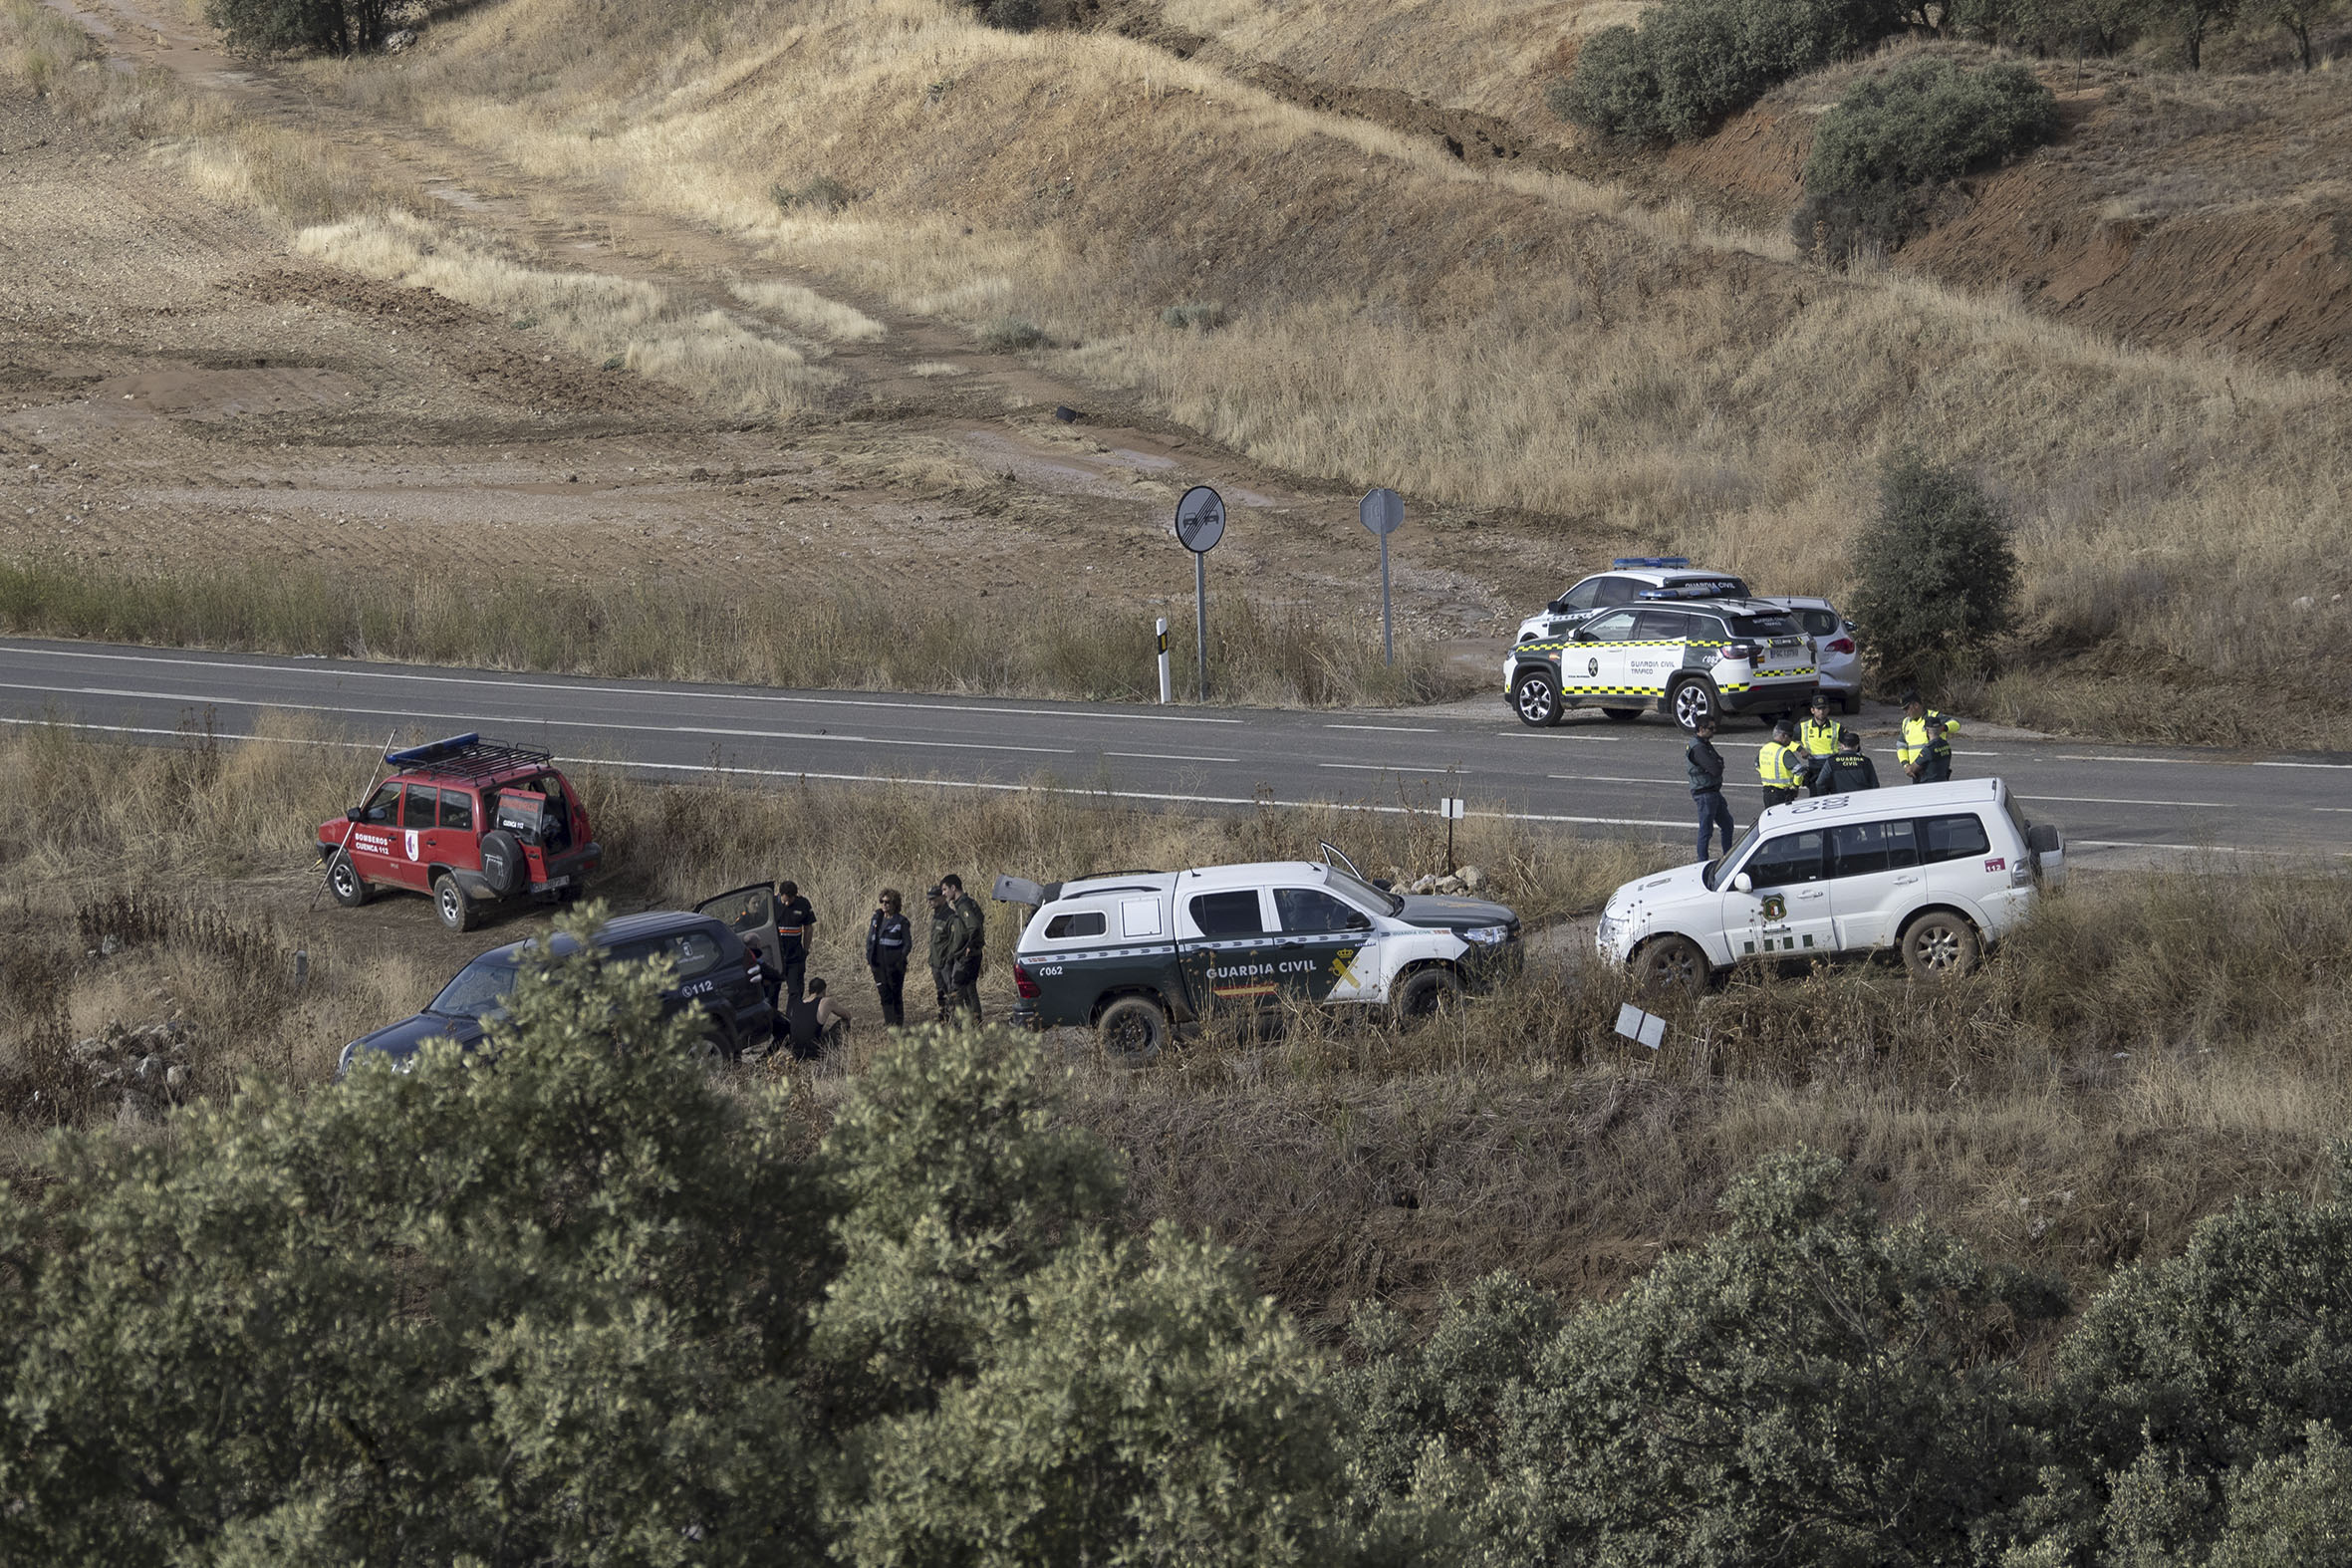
504	867
1673	964
1426	995
1623	715
1692	700
1939	945
1134	1031
458	912
344	881
714	1046
1535	697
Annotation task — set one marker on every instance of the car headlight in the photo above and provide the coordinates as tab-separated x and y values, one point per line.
1606	932
1489	935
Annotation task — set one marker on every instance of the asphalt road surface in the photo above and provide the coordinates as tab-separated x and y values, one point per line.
2118	805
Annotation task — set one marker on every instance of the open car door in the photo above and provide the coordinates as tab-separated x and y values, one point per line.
750	913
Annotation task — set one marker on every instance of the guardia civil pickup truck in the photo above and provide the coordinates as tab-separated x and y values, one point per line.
1136	953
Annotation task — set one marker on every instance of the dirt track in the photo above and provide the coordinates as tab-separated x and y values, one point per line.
175	385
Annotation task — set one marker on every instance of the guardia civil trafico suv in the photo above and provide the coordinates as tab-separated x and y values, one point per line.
1934	872
1134	954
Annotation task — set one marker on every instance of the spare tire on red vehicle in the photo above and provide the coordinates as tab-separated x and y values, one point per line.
503	865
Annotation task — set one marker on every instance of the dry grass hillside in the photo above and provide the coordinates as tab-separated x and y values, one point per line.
1483	334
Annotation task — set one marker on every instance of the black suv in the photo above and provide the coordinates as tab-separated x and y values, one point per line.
712	967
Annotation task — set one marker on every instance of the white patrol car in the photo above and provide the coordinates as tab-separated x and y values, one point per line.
1625	582
1134	954
1689	659
1935	869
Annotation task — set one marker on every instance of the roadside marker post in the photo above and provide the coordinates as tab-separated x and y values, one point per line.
1383	511
1161	629
1454	809
1199	524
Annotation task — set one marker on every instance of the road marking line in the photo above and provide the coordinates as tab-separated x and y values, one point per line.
592	686
1532	734
1606	778
1385	729
895	778
1166	756
1388	767
2338	767
2066	756
558	723
2110	800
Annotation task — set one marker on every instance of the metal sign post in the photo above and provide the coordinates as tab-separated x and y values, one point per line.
1201	523
1454	808
1161	629
1383	511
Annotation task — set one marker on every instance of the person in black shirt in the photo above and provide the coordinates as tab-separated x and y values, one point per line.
890	938
796	929
1847	771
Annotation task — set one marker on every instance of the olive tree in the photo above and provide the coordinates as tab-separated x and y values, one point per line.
1936	573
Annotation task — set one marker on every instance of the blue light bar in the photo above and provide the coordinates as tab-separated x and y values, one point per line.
1629	562
433	751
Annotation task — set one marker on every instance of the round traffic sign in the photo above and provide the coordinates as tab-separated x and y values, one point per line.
1200	519
1382	511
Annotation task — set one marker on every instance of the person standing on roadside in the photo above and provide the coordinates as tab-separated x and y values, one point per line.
796	926
1926	747
1817	738
1706	766
889	943
975	925
1847	772
1777	765
946	941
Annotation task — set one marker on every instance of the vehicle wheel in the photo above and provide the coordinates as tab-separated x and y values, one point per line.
351	890
449	901
1690	701
1939	945
1426	994
1135	1032
1537	697
503	865
1673	964
1623	715
715	1047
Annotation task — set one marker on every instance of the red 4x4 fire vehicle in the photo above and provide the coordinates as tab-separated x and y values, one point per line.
473	822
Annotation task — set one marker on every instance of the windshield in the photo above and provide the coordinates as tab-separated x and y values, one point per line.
1715	869
480	989
1364	894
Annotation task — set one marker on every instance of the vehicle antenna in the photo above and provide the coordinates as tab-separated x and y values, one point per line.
343	846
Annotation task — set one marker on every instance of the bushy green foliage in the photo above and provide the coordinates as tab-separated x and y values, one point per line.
268	27
1693	62
565	1300
1879	155
1936	573
1809	1376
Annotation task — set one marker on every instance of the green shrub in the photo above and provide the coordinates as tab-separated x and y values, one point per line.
1937	575
1197	318
1879	155
1693	62
1014	16
268	27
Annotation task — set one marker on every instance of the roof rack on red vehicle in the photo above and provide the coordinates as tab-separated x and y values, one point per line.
468	757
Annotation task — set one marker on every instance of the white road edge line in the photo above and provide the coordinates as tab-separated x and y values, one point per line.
1166	756
592	684
1387	729
888	778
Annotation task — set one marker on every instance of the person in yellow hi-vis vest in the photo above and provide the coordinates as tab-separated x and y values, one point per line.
1817	738
1925	748
1779	765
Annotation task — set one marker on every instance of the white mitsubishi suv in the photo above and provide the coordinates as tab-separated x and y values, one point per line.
1934	870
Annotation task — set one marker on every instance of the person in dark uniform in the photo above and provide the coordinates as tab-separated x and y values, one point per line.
796	927
974	928
947	942
1848	771
1705	768
1925	749
889	943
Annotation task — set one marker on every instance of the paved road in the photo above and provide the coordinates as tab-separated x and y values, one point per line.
2117	804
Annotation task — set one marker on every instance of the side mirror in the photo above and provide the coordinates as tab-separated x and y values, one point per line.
352	814
1359	923
1744	883
1558	607
1384	885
